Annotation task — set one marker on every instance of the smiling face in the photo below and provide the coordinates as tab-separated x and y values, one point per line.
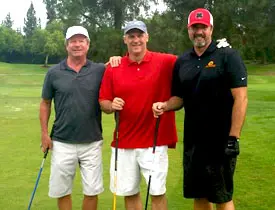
136	41
200	35
77	46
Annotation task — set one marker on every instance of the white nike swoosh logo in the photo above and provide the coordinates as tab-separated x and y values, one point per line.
243	78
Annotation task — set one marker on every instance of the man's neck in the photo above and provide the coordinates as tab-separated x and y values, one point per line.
76	63
200	50
137	57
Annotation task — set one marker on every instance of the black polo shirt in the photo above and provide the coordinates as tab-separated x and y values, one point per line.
204	83
75	95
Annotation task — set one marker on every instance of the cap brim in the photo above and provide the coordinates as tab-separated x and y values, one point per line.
77	34
199	22
140	29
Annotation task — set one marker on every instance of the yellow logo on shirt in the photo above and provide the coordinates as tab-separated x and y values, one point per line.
211	64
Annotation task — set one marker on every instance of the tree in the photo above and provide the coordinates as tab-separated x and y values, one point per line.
48	43
173	39
51	10
101	13
11	43
8	22
30	22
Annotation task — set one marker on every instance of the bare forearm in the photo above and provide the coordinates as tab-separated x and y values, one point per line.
174	103
45	112
106	106
238	116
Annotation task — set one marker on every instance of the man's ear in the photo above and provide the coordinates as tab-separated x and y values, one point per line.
124	39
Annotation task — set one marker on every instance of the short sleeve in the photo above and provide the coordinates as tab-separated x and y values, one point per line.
169	61
48	90
106	88
236	70
176	83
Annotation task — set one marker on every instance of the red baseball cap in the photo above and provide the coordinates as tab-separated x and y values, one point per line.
200	16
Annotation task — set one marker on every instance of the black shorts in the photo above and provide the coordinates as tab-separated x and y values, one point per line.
210	180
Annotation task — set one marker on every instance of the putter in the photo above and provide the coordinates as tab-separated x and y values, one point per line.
154	148
116	152
38	177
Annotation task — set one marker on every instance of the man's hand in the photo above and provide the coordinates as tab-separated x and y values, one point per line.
159	108
46	142
117	104
115	61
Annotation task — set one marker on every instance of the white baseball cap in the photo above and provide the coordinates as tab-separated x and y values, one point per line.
73	30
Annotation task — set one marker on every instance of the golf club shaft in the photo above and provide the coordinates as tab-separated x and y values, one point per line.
38	178
153	152
116	154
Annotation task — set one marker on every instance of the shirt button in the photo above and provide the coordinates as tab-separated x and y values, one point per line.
198	67
199	59
138	69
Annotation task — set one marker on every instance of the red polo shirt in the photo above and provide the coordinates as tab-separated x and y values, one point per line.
141	85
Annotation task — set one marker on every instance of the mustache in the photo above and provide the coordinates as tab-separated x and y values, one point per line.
199	35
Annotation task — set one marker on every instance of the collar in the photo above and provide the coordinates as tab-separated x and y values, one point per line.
64	65
147	57
211	48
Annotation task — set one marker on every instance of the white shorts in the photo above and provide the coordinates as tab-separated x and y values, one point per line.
131	163
64	160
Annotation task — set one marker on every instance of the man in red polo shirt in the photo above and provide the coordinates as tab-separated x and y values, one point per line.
132	88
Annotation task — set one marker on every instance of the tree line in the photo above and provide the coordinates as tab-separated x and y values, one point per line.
249	25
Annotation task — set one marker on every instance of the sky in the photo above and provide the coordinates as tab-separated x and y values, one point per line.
18	10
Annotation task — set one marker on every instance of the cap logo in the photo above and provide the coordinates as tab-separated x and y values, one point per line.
199	15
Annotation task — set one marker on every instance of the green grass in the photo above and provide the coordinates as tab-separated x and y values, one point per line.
20	156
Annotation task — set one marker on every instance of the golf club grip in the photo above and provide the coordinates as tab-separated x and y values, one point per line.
46	153
156	134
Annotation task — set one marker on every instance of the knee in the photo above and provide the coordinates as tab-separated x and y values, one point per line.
64	198
226	205
157	198
130	197
90	197
202	203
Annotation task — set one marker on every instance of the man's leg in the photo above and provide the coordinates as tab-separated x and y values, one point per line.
202	204
133	202
89	202
90	163
128	178
226	206
64	203
156	165
159	202
63	166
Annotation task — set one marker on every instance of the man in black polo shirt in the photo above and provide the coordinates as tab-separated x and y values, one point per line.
76	137
211	84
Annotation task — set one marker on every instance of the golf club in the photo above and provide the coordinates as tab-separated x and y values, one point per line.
116	153
38	177
154	148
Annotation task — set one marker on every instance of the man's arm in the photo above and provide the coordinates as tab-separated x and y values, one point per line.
106	106
44	115
239	110
174	103
109	107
